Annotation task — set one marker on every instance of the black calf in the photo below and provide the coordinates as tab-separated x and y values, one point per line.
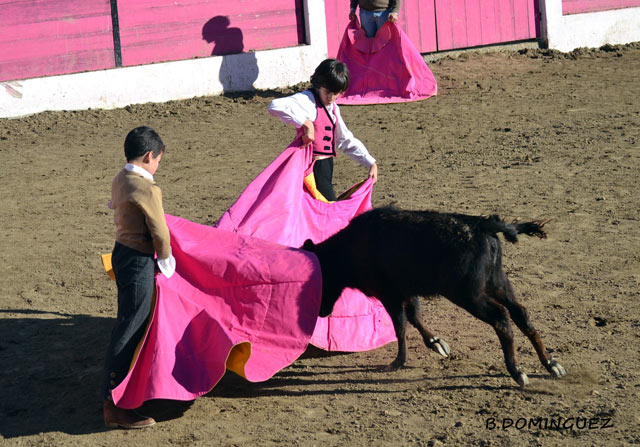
398	255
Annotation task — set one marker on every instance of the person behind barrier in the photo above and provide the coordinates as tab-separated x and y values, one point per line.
374	13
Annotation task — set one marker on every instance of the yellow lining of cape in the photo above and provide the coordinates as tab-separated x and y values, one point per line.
238	358
310	184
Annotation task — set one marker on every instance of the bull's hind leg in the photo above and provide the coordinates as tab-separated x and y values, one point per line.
520	316
414	315
495	314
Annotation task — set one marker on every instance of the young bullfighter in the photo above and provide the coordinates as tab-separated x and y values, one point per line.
397	256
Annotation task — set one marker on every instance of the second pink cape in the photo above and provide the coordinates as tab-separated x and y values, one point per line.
386	68
276	207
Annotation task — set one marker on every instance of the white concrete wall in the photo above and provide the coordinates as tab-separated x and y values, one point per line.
168	81
594	29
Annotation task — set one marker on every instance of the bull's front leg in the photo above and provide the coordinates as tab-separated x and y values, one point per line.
399	319
414	315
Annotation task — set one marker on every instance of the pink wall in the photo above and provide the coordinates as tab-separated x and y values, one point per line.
336	17
438	25
164	30
417	19
50	37
578	6
482	22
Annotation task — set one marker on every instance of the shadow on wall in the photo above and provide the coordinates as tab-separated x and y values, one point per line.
239	70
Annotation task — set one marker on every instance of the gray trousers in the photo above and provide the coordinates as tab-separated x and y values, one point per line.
135	278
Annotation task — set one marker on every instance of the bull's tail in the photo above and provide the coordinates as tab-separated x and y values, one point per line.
511	231
535	228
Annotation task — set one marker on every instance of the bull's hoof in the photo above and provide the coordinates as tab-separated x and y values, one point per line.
555	368
393	366
440	346
520	377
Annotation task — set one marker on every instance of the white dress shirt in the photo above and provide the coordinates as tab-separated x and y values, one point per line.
298	108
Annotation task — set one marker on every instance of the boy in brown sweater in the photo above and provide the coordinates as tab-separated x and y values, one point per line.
141	231
373	13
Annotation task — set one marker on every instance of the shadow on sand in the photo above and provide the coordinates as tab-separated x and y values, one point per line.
52	366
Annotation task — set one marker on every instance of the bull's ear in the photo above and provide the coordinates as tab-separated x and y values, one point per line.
308	245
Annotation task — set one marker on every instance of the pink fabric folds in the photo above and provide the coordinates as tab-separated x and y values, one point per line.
235	302
277	207
386	68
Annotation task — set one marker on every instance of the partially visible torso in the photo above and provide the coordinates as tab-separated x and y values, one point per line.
128	191
379	5
302	106
324	142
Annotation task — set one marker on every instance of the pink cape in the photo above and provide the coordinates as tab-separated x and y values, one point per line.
383	69
234	302
277	207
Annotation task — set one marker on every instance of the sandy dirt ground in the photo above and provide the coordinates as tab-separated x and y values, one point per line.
526	134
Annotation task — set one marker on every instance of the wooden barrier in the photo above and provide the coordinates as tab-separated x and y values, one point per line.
50	37
439	25
160	30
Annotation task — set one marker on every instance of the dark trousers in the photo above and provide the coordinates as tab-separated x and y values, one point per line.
134	272
323	173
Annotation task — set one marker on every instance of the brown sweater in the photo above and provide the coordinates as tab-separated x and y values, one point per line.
138	214
376	5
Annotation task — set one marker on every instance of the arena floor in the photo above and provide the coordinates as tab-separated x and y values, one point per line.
527	134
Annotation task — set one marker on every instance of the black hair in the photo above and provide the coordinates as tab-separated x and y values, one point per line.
332	75
141	140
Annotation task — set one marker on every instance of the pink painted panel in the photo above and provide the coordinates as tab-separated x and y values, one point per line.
51	37
165	30
337	18
447	21
417	20
470	23
580	6
473	30
524	20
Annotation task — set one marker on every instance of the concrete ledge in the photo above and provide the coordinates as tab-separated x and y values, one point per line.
506	47
593	30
